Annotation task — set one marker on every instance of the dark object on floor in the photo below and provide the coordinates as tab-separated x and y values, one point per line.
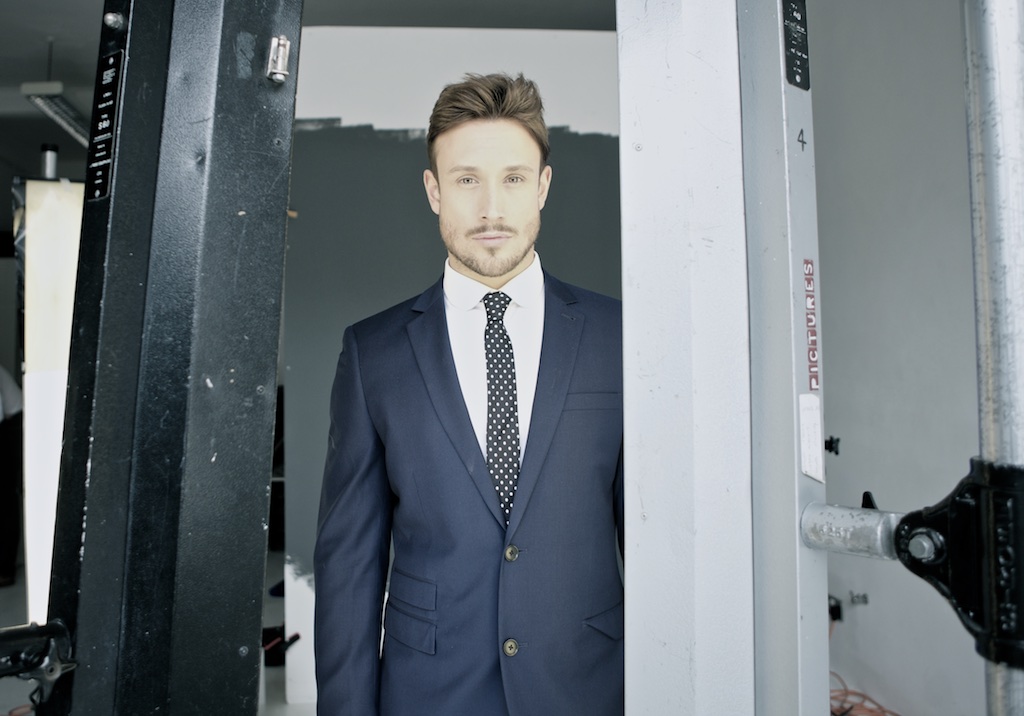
277	590
275	532
275	645
10	495
42	653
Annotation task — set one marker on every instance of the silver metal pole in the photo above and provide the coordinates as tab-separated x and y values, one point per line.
1005	695
995	93
995	119
49	161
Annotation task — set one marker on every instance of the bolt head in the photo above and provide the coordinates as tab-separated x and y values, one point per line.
922	547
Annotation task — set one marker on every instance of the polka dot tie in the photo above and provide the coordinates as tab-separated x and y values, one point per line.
502	406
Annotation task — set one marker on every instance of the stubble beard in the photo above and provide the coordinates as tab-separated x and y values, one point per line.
489	262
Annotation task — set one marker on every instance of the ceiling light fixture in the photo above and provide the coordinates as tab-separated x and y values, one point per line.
49	98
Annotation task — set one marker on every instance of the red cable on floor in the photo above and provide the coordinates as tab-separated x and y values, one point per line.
845	702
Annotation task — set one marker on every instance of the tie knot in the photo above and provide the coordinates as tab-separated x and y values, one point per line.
496	303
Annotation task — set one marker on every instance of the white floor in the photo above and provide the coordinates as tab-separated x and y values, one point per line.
14	692
274	677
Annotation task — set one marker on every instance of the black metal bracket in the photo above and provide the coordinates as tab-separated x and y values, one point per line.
42	653
970	547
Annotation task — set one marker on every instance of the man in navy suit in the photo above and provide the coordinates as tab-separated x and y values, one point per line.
476	431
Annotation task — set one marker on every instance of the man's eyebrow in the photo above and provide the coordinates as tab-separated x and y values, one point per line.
468	169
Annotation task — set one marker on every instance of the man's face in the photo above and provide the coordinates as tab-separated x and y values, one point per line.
488	194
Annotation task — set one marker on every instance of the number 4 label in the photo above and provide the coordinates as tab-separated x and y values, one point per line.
801	140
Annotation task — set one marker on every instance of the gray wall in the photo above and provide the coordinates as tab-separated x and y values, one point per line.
364	238
897	322
9	317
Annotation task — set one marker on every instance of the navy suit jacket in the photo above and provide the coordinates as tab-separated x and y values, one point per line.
480	620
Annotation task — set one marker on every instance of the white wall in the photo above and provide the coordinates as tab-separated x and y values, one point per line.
390	76
897	322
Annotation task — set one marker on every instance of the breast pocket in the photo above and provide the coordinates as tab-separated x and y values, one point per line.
586	445
593	401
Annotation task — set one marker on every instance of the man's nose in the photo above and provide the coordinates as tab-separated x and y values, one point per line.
493	204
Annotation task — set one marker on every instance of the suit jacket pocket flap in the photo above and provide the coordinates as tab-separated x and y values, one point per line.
593	401
413	591
411	631
609	623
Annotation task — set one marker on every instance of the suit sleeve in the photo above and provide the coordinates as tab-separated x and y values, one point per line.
620	516
351	553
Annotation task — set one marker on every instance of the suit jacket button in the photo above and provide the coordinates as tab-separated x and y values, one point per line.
511	647
511	553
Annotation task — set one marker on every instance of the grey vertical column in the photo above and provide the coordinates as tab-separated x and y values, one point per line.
790	579
995	122
161	526
688	561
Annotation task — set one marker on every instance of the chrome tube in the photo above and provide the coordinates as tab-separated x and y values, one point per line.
995	120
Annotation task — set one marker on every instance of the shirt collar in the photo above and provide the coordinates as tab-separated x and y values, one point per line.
464	293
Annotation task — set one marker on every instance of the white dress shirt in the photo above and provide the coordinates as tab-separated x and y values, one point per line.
524	321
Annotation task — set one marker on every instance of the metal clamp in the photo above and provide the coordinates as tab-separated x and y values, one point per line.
970	547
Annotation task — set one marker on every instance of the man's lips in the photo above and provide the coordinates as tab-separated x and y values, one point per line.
491	237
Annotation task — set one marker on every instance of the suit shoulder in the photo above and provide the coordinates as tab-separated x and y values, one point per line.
396	317
585	298
387	317
598	299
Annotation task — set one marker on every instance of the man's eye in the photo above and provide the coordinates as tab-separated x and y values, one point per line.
515	180
466	180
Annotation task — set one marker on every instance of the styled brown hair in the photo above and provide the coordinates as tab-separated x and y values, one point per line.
496	96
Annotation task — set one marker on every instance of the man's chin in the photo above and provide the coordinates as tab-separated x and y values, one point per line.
495	266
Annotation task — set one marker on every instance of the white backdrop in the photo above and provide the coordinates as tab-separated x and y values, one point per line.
53	219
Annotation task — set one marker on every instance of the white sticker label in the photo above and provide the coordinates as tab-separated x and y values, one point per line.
811	445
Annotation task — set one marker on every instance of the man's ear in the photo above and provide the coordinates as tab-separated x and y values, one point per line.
543	185
433	190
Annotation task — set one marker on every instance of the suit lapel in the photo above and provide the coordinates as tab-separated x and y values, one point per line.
428	333
563	326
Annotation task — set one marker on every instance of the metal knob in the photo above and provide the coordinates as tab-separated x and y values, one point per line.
113	20
277	63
